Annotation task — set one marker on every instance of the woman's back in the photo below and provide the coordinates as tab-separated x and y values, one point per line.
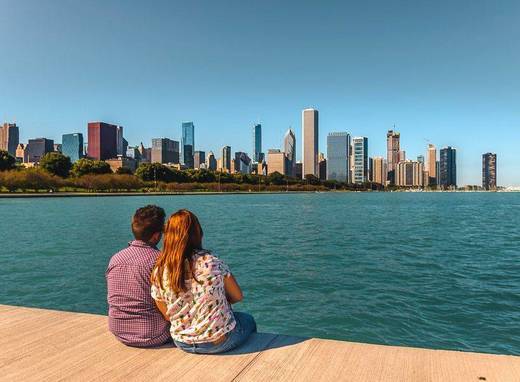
202	313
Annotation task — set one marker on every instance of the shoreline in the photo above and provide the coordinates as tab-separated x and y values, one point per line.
72	194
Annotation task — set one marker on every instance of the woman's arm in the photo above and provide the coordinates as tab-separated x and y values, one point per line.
233	291
161	305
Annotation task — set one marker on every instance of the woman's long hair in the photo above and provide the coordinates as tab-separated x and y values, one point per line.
182	236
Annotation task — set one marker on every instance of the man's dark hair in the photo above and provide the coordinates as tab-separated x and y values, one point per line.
147	221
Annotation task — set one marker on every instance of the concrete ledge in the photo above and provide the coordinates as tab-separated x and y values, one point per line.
39	344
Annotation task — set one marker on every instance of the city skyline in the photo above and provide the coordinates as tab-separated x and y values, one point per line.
454	85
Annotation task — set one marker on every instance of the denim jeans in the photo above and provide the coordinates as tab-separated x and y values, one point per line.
245	326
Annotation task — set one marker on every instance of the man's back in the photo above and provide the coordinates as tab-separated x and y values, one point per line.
133	317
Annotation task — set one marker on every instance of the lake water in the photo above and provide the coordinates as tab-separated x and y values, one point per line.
436	270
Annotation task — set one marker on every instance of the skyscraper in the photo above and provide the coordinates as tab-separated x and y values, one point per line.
165	150
338	156
489	171
226	159
211	161
409	174
448	167
310	142
199	158
360	149
257	143
188	143
242	163
72	146
393	139
289	145
276	162
121	150
9	138
431	165
379	171
102	140
37	148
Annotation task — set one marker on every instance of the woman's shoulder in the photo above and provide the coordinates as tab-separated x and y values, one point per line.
209	260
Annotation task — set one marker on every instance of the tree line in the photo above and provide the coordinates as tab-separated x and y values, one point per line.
56	173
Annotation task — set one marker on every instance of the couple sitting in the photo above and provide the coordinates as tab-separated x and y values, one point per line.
182	293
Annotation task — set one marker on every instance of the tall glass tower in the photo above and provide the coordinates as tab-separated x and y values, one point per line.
360	148
257	143
338	156
72	146
448	167
289	145
188	143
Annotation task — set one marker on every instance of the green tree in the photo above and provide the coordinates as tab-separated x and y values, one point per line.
155	172
276	178
56	164
90	166
7	161
124	171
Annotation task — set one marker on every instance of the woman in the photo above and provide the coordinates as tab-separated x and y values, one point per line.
194	290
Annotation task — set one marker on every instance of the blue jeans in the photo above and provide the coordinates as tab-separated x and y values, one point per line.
245	326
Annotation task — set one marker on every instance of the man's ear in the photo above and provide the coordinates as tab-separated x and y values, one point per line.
156	237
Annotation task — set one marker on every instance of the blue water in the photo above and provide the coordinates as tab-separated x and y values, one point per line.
437	270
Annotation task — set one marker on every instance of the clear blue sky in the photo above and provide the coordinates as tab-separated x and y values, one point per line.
447	72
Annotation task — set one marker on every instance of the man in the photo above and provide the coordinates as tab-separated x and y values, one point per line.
132	315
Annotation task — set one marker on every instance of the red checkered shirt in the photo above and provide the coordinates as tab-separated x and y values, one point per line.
132	315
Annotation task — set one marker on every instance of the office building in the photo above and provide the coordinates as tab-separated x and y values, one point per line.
298	170
431	165
360	151
489	171
188	143
199	159
258	156
102	140
289	146
145	153
9	137
72	146
276	162
420	159
120	141
448	167
122	162
134	153
322	167
409	173
21	156
165	150
242	163
393	139
225	157
310	142
338	157
37	148
378	171
211	162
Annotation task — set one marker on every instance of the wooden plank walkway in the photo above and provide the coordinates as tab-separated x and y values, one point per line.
39	344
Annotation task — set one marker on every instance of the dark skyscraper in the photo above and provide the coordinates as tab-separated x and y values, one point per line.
393	140
188	143
199	158
72	146
489	171
102	140
289	144
165	150
338	156
257	143
37	148
448	167
9	137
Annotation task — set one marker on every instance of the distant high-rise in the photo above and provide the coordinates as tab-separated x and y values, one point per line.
72	146
393	139
310	142
448	167
420	159
276	162
199	158
379	170
338	156
360	149
322	167
165	150
102	140
409	174
431	165
242	163
9	137
489	171
121	149
226	159
188	143
211	161
257	143
289	145
37	148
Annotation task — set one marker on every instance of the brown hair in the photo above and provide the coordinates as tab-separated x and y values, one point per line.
182	236
147	221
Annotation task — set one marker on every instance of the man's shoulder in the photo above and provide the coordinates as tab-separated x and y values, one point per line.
134	256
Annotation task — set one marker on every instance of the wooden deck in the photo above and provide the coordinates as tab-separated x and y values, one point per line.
38	344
